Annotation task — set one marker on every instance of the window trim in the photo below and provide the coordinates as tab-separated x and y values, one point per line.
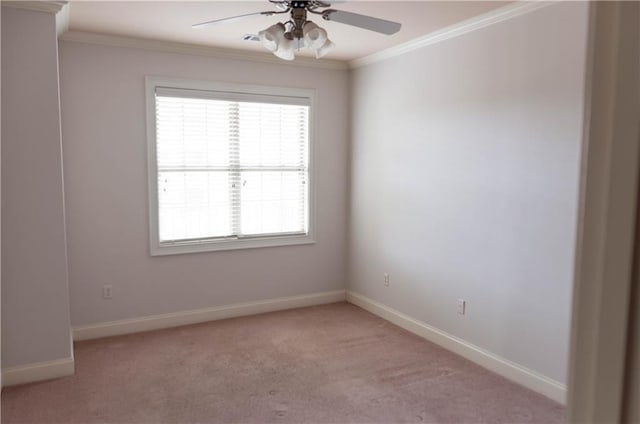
230	243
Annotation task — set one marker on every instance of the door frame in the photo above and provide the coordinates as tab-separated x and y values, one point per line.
607	214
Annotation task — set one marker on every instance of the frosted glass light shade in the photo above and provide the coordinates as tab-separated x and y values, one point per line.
286	49
326	48
314	36
272	37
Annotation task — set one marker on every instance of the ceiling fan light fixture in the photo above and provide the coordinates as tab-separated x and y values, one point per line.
272	37
326	48
314	36
284	38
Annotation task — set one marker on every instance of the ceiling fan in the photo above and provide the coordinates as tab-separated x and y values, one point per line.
284	38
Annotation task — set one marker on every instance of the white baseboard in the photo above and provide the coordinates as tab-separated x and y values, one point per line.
37	371
156	322
510	370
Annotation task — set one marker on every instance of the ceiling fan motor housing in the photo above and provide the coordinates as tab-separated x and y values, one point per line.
301	4
299	18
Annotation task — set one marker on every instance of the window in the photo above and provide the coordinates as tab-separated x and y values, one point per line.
229	166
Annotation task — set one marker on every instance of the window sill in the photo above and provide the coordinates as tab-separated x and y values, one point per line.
179	248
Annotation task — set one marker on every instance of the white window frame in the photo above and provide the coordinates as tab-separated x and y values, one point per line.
207	245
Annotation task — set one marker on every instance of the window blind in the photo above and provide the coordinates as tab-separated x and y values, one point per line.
230	165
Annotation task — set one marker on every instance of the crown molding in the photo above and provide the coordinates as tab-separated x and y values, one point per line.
196	50
477	22
38	6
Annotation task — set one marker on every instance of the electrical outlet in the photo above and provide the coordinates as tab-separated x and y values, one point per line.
386	279
461	306
107	291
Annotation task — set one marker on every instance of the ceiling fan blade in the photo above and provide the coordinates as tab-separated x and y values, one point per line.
230	19
362	21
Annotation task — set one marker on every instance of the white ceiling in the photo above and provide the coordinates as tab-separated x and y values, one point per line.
172	20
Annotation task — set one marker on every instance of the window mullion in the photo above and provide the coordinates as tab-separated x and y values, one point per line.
234	165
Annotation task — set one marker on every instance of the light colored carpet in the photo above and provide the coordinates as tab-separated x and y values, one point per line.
325	364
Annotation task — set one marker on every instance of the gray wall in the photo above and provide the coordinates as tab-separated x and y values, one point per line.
103	121
35	295
465	167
